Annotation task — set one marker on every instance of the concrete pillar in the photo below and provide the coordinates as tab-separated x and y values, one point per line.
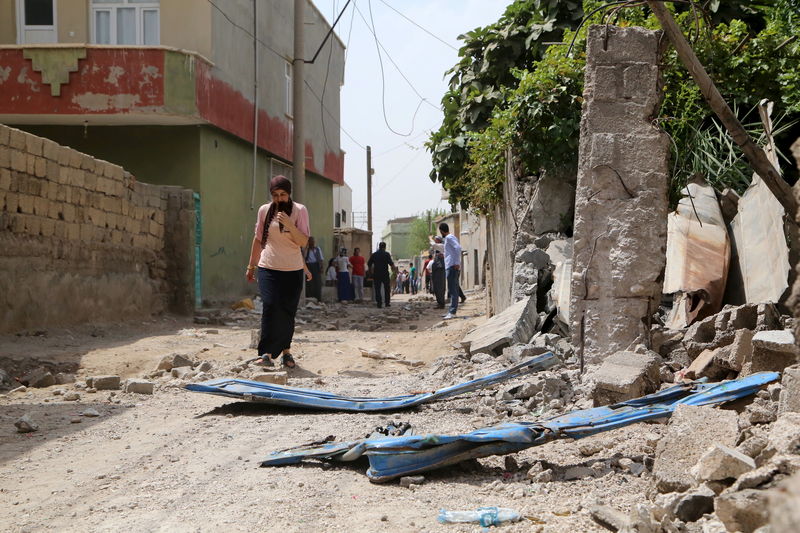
621	199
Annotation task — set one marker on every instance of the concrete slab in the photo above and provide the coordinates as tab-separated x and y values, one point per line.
624	376
514	325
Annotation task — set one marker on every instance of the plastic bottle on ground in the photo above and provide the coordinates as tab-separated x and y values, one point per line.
485	516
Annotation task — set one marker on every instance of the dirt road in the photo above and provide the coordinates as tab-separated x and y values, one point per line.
181	461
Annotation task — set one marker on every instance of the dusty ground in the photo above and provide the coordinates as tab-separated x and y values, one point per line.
181	461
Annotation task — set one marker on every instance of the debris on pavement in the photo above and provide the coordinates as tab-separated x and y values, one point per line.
295	397
24	424
485	516
390	458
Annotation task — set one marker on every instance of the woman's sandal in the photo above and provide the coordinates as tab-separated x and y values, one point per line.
264	361
288	361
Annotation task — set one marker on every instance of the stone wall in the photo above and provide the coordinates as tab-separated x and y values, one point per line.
81	240
621	199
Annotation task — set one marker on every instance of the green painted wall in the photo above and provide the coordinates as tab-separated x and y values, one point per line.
162	155
228	222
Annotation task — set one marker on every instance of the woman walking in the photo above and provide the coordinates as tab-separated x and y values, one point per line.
277	263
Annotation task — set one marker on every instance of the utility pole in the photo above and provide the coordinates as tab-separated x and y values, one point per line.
370	171
298	80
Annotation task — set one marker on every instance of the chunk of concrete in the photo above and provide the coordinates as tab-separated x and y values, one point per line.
789	399
705	366
103	382
181	372
745	511
692	506
784	435
24	424
626	375
720	329
276	378
737	352
722	462
515	324
691	431
139	386
168	362
784	511
772	351
38	377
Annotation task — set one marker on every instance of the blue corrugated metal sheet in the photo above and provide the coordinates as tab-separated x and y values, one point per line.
313	399
392	457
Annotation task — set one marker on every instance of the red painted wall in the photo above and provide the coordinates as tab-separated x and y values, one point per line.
107	82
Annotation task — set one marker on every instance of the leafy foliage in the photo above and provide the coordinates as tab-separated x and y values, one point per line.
420	230
510	93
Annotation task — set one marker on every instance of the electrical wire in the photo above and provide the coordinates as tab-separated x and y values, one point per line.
392	179
334	117
378	47
419	26
405	143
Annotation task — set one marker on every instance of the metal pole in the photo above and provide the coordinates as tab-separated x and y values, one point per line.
255	105
298	137
369	188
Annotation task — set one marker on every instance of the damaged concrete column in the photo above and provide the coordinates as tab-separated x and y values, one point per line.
621	198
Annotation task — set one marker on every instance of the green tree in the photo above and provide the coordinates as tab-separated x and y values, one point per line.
421	229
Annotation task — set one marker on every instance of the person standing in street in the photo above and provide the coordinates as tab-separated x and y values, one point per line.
438	278
452	265
343	270
358	262
276	261
414	280
379	263
314	263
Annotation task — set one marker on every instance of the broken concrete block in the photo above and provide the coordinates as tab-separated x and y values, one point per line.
103	382
691	431
139	386
24	424
704	366
38	377
695	504
610	518
626	375
744	511
168	362
737	352
789	399
181	372
520	352
720	329
407	481
772	351
722	462
64	379
784	435
205	366
276	378
784	513
515	324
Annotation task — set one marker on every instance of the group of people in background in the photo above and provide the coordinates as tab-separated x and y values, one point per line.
440	273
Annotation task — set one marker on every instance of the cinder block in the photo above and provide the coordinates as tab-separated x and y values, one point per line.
33	144
772	351
63	174
17	139
77	177
73	231
40	206
626	375
18	161
48	227
63	156
68	211
5	157
12	202
26	203
88	163
4	134
40	167
75	158
5	178
90	181
86	232
50	149
30	163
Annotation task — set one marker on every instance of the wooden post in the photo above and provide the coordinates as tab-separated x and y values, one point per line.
754	154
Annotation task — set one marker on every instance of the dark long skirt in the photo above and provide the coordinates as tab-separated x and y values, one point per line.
438	283
314	287
344	286
280	293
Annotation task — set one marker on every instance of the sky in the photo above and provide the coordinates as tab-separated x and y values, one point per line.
401	186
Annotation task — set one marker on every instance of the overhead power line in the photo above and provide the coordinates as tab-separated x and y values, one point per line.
419	26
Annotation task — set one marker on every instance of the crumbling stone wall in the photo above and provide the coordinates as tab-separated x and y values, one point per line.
794	298
621	199
81	240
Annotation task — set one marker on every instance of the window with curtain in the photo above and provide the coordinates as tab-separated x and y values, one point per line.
126	22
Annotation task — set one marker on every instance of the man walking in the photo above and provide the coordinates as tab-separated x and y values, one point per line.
379	263
357	260
452	265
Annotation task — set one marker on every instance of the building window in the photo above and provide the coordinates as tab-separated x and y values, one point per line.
344	216
126	22
36	21
288	80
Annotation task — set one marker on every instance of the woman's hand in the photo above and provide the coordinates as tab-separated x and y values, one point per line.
250	274
286	220
308	275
